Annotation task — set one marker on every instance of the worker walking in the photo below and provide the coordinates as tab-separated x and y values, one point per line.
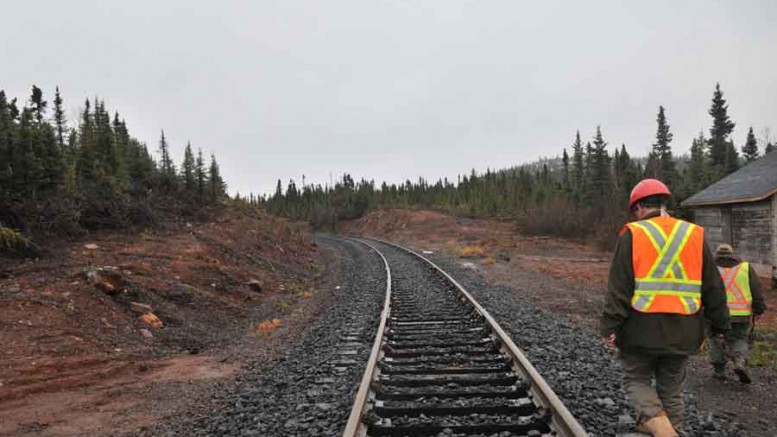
662	277
745	301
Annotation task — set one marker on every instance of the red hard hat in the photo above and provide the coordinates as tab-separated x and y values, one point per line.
647	188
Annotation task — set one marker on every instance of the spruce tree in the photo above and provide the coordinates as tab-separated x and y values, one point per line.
578	169
87	161
6	148
27	164
200	177
732	158
697	175
14	110
166	166
750	149
660	162
719	144
38	104
625	171
52	161
70	157
107	154
216	186
187	171
769	148
599	185
46	165
565	181
59	120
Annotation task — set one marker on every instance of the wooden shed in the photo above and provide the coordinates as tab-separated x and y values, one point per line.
741	210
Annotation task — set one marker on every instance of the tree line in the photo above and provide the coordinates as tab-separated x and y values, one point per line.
562	196
60	177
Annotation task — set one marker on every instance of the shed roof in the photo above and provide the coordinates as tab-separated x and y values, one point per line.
754	182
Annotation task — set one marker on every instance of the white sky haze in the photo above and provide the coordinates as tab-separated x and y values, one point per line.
390	90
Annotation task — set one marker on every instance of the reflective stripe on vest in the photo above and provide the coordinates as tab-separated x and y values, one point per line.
738	295
666	286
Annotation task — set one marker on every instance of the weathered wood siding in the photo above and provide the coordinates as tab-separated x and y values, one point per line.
711	219
774	231
751	228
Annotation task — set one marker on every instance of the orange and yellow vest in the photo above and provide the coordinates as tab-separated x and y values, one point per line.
667	260
738	295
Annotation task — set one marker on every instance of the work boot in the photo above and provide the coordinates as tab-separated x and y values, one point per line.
741	371
658	426
720	371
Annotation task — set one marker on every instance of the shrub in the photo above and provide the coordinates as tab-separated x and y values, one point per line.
594	225
12	242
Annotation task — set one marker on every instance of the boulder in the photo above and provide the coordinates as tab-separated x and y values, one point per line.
151	320
106	287
140	308
91	246
106	279
254	285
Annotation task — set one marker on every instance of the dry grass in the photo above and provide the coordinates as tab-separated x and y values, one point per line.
269	325
472	251
489	261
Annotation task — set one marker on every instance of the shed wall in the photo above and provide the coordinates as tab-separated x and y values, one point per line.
752	231
774	231
711	219
751	228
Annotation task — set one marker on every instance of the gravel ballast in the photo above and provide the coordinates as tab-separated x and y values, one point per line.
578	367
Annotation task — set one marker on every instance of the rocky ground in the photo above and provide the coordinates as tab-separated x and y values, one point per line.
77	357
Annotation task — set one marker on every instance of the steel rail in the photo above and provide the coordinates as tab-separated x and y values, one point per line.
353	427
562	420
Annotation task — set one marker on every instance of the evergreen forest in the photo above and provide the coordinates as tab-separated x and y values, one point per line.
62	177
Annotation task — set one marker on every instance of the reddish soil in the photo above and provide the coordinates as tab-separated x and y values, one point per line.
497	250
75	360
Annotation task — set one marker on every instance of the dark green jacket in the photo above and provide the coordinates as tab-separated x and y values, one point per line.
756	289
654	333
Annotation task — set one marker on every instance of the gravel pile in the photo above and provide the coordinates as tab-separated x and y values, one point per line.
309	391
582	372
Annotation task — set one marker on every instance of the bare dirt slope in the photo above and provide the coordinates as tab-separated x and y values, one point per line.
497	250
77	359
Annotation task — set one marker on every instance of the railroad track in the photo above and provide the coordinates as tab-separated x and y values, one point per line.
441	365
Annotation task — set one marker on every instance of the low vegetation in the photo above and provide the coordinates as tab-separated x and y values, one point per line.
764	348
14	243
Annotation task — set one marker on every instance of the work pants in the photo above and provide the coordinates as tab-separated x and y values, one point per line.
640	372
736	345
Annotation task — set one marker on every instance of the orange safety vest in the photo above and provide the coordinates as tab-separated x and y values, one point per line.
738	294
667	259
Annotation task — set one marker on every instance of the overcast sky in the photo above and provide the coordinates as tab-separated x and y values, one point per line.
395	90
